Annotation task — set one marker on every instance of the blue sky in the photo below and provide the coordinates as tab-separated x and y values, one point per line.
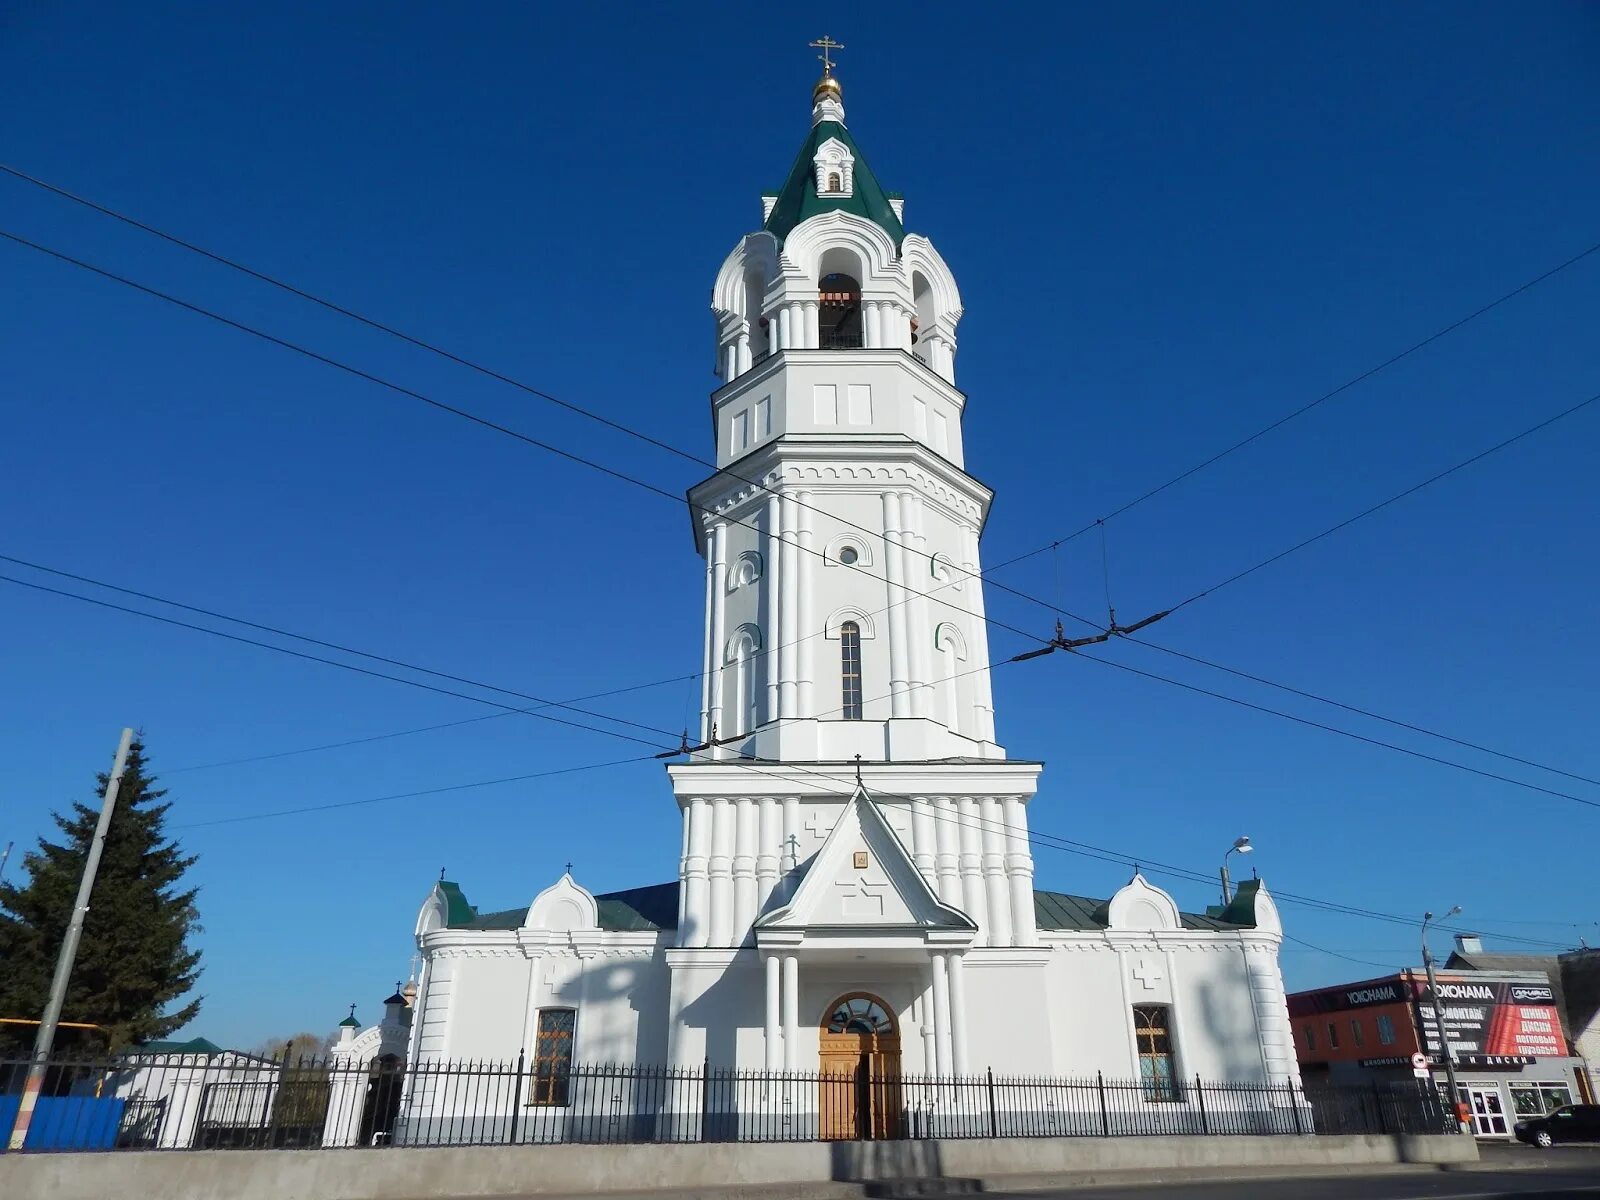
1170	226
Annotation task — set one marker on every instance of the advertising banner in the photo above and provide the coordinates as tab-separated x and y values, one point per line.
1509	1022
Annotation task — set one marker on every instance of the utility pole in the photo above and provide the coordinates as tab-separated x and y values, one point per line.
4	857
69	950
1438	1015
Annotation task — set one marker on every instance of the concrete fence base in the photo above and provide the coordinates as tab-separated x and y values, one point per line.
505	1171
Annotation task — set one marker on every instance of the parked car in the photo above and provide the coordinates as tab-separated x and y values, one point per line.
1569	1123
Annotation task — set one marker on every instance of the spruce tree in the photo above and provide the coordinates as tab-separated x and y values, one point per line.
134	962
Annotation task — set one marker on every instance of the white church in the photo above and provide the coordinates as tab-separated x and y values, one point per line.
855	887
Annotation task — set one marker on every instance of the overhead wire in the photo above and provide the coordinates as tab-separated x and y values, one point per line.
1294	414
909	591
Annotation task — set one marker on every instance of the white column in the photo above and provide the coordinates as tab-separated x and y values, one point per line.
730	362
721	872
683	872
805	638
930	1040
1019	873
941	1014
895	614
772	574
947	863
791	1011
743	357
744	870
869	325
774	1058
958	1015
769	844
789	854
973	898
785	339
789	606
813	331
696	929
982	684
919	630
994	872
923	843
708	664
719	578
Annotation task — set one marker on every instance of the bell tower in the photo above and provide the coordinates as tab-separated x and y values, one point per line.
843	615
845	646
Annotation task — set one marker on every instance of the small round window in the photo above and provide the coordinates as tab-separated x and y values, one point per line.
848	556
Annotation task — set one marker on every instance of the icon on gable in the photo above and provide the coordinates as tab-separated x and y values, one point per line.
861	860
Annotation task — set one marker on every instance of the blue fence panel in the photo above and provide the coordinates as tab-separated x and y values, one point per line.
67	1122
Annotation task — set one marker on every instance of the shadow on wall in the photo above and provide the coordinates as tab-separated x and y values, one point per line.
715	1012
602	981
861	1161
1229	1021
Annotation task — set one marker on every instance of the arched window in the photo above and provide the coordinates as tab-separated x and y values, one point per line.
850	669
835	183
859	1014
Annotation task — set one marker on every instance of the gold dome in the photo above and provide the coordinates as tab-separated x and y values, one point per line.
827	86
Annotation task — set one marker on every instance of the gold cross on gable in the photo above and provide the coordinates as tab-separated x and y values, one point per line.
825	44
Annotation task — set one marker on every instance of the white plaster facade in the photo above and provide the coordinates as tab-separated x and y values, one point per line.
827	852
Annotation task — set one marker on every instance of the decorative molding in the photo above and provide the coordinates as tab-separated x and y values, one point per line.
849	612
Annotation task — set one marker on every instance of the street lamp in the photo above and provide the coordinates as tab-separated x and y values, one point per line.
1241	845
1438	1015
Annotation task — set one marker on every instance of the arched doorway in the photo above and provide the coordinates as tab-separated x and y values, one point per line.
860	1064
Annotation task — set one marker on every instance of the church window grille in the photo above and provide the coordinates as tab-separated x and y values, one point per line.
1152	1029
552	1057
859	1014
850	669
835	182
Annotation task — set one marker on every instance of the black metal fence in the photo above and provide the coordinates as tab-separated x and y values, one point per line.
228	1101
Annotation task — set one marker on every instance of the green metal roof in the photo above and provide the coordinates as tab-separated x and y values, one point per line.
643	909
192	1046
457	910
799	200
633	910
1057	910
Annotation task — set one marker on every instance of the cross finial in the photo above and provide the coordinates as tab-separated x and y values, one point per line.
825	44
352	1012
441	873
569	868
858	770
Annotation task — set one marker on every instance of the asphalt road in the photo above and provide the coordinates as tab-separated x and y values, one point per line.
1520	1171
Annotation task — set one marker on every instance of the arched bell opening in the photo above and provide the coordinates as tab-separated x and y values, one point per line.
839	324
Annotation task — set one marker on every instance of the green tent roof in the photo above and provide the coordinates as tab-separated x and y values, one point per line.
798	199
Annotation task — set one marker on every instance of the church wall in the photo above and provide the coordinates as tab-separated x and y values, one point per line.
1221	1019
487	1003
1013	1021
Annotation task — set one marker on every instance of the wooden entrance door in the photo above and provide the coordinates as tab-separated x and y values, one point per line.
860	1066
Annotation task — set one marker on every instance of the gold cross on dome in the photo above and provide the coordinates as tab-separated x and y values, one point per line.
825	44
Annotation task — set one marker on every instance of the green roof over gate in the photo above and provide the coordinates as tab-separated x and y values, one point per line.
799	200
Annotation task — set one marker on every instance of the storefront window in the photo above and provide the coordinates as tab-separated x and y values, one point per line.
1536	1099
